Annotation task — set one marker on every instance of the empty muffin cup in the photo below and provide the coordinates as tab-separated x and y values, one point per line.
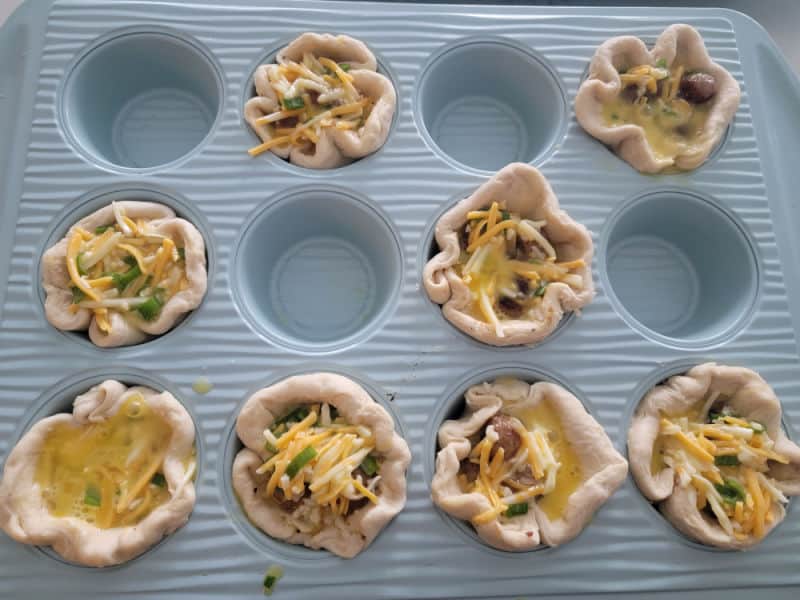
141	99
679	268
317	269
485	102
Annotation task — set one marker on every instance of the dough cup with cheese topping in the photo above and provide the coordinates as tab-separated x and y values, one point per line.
525	465
125	272
708	449
322	105
510	261
105	483
662	109
323	465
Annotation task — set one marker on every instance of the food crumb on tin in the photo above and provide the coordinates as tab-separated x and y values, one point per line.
202	385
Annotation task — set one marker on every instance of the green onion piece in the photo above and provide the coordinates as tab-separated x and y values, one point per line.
726	460
369	465
516	510
713	416
182	253
101	229
270	448
344	67
271	577
661	63
78	294
159	480
150	308
541	289
92	496
129	260
81	270
300	460
121	280
506	215
293	416
293	103
731	491
757	427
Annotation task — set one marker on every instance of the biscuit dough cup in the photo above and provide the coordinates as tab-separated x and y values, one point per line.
662	109
708	449
525	465
322	464
322	104
511	263
105	483
128	271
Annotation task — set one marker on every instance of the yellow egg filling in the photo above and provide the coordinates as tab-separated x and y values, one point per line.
109	473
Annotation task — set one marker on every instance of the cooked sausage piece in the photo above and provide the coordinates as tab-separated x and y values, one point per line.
524	476
284	502
697	87
510	307
508	438
469	469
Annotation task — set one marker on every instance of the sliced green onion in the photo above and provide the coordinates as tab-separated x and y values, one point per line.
757	427
121	280
541	289
293	103
129	260
731	491
506	215
713	416
271	577
661	63
81	270
344	67
726	460
78	295
293	416
150	308
516	510
102	229
300	460
369	465
92	496
159	480
270	448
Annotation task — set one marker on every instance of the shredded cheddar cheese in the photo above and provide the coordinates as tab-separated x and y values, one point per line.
508	262
316	459
315	94
123	267
726	462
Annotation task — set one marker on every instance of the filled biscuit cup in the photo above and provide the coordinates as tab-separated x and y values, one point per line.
709	450
125	273
525	464
322	104
511	262
105	483
660	109
322	464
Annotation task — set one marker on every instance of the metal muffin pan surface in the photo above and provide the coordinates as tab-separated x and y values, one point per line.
689	267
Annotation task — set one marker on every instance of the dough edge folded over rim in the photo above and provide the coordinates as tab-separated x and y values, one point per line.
604	468
25	518
751	397
526	191
358	408
603	84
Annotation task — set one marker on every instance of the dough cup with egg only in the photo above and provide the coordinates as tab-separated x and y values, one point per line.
708	449
128	271
477	291
564	466
105	483
322	465
323	104
656	143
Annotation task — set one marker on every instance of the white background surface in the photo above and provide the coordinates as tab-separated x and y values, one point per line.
779	17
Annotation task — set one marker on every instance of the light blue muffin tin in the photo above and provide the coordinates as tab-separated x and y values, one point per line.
313	270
